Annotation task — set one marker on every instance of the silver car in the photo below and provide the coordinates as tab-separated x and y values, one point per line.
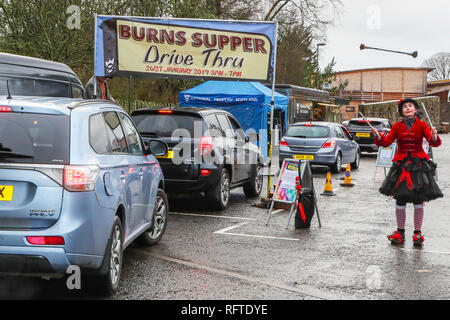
322	143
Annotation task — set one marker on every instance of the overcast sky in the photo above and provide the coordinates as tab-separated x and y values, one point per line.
402	25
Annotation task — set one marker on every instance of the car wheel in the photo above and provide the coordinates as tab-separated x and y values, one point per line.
154	234
221	193
106	280
336	168
355	164
254	187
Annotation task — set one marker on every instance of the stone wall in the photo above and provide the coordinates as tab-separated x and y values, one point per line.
388	110
445	111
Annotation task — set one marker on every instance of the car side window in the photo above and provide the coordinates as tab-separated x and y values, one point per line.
115	133
213	125
339	132
77	92
98	136
238	131
224	124
346	133
133	137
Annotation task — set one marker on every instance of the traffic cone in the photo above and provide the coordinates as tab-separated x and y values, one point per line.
328	186
348	178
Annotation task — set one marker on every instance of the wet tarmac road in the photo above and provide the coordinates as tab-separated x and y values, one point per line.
234	255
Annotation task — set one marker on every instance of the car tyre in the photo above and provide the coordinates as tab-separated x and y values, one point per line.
221	193
106	279
336	168
355	164
160	214
253	188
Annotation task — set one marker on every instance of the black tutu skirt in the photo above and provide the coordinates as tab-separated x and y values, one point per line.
411	181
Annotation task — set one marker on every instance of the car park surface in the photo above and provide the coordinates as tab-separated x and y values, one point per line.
206	254
81	188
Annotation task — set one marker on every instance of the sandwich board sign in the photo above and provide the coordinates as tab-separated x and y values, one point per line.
286	188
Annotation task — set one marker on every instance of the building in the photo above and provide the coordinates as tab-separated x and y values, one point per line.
379	84
441	89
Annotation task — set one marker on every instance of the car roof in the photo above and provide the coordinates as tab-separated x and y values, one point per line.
369	118
60	105
184	110
321	123
52	68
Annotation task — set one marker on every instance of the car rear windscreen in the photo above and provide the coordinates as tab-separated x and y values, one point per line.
308	132
34	138
162	125
363	123
34	87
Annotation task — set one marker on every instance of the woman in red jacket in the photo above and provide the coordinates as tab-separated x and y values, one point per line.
411	177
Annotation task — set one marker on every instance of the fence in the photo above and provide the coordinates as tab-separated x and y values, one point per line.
139	104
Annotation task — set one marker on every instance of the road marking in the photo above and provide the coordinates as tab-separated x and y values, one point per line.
426	251
227	229
210	216
278	211
301	289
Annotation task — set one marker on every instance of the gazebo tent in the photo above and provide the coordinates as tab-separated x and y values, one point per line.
249	102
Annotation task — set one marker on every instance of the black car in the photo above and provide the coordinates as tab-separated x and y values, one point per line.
29	76
208	151
360	129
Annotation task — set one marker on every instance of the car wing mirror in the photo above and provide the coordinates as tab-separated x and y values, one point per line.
157	148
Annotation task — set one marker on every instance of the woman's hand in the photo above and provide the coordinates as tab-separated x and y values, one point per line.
376	133
434	134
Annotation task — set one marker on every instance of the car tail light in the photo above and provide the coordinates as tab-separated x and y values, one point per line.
205	172
52	241
206	145
5	109
308	125
283	143
80	178
165	111
329	144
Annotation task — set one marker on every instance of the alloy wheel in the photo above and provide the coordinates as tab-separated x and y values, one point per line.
116	255
159	219
225	189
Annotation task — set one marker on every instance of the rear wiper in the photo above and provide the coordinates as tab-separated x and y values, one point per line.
298	136
14	155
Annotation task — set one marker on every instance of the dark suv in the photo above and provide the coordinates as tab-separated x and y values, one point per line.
208	151
28	76
360	129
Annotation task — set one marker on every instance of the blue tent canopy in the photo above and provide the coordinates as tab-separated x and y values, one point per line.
249	102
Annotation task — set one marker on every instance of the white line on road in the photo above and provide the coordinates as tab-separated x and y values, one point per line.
211	216
225	231
277	211
425	251
301	289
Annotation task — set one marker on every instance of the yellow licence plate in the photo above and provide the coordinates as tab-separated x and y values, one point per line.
168	155
304	157
6	193
363	134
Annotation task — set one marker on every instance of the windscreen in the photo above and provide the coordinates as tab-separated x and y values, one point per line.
162	125
34	138
308	132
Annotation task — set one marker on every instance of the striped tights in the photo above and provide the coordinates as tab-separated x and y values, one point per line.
400	212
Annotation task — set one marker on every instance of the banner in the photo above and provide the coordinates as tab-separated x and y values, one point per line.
184	48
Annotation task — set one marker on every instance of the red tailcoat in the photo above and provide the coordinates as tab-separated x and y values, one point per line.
408	140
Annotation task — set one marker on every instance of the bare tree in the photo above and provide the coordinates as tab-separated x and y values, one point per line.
441	64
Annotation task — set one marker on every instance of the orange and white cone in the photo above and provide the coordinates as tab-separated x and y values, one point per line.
328	186
348	178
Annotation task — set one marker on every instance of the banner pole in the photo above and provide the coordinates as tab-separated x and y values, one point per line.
272	106
95	54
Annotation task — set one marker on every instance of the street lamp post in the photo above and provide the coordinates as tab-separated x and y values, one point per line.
317	62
